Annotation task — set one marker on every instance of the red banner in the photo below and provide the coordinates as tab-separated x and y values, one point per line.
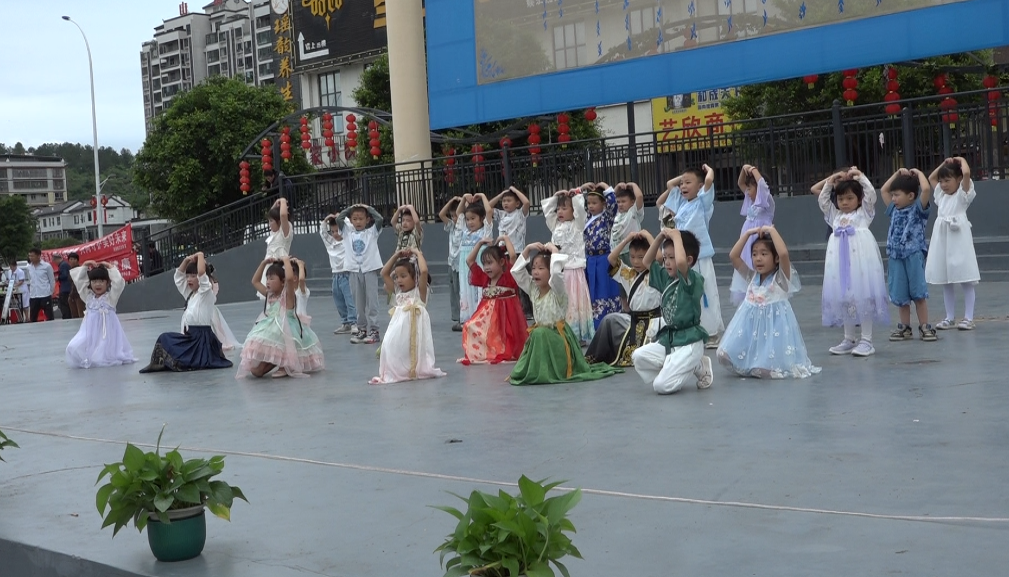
115	248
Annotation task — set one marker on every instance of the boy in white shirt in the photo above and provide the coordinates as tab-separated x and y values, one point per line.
511	222
448	216
630	216
360	225
329	230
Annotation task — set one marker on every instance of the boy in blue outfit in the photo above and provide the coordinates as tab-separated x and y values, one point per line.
907	194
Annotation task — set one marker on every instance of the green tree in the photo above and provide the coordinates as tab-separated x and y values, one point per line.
117	167
17	226
51	243
189	162
793	96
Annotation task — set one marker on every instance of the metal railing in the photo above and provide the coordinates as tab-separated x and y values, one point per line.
792	151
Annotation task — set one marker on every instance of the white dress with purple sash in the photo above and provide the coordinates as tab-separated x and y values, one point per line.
101	341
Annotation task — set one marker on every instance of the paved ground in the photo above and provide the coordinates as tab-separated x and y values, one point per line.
781	478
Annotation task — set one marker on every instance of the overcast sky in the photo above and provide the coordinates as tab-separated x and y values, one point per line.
45	92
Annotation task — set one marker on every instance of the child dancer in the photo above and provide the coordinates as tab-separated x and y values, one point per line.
511	222
302	293
604	294
100	342
329	230
497	331
690	198
278	243
473	211
951	258
279	340
360	241
409	233
854	291
196	347
551	353
565	217
758	208
906	195
763	338
408	351
677	355
220	326
449	217
630	215
620	334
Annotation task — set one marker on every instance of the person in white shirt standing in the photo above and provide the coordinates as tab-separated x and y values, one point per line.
329	230
41	283
511	222
14	280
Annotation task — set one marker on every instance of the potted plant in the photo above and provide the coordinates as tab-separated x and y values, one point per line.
507	536
167	495
5	443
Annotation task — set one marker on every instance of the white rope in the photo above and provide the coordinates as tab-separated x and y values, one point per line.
600	492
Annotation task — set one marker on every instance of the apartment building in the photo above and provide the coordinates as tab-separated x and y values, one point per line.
231	38
40	180
76	219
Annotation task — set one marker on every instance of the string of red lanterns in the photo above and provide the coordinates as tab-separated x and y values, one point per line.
243	177
449	164
306	137
947	104
478	168
563	129
850	84
350	147
534	140
266	150
327	129
990	82
375	142
892	96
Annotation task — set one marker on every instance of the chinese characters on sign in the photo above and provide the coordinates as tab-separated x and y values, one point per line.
336	31
284	47
115	248
691	121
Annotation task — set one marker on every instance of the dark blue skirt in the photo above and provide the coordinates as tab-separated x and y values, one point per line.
196	349
603	290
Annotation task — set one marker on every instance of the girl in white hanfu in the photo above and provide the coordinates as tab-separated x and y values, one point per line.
100	342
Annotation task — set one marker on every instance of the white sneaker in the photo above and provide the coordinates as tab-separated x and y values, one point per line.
345	329
705	376
864	348
965	325
843	348
944	325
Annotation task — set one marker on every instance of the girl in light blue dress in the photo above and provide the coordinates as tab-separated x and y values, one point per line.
763	338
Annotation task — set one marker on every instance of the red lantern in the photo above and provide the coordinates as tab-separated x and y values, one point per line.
534	128
810	80
939	81
94	202
989	81
376	152
505	142
562	118
891	73
850	83
591	115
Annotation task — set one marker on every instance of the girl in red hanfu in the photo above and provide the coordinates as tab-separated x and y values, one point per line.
497	331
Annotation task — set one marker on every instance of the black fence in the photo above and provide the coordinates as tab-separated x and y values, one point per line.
793	152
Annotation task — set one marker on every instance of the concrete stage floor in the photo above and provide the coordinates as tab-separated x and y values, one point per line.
895	464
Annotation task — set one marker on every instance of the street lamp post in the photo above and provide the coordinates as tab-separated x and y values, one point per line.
94	128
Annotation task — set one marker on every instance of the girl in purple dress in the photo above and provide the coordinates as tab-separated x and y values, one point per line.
758	208
100	342
604	292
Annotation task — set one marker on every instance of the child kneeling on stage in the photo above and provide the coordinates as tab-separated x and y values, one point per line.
196	347
677	355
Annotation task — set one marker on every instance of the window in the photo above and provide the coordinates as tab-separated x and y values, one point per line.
642	20
569	45
89	216
213	56
265	54
330	95
58	184
266	69
57	173
264	38
214	70
30	173
263	21
30	184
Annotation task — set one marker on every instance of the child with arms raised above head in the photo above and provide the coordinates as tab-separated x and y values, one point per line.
511	222
907	194
690	199
362	261
452	227
677	355
101	341
278	243
763	338
551	353
497	330
601	206
408	351
758	209
474	211
620	334
854	288
951	257
196	347
629	217
343	298
409	230
565	216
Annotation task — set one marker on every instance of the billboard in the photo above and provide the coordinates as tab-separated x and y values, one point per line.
491	60
336	31
687	121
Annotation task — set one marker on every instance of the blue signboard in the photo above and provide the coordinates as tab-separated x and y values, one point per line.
499	59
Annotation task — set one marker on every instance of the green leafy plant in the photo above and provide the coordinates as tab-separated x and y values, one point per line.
149	483
5	443
507	536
